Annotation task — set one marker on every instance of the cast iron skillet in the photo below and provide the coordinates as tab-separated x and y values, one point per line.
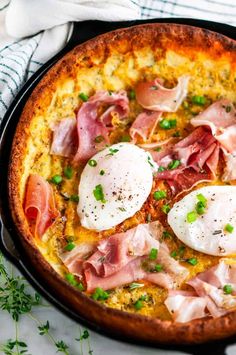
13	250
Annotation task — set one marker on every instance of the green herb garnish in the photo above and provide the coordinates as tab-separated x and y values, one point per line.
192	261
135	285
174	164
199	100
132	95
158	268
161	169
99	194
68	172
165	209
102	172
56	179
191	217
70	246
229	228
125	138
159	195
100	294
99	139
153	254
92	163
228	289
74	198
83	96
167	124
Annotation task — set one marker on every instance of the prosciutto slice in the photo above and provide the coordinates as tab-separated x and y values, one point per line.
39	204
185	306
123	258
65	138
155	97
198	154
220	117
144	125
90	125
208	297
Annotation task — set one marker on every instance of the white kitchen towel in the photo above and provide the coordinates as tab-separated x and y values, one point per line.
46	27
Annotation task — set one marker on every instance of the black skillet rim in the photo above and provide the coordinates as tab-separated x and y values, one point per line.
12	250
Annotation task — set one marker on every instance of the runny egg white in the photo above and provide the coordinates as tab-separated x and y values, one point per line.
213	232
114	185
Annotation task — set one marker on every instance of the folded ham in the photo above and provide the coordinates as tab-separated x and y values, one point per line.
197	156
153	96
90	125
39	204
124	257
209	296
65	138
144	125
220	118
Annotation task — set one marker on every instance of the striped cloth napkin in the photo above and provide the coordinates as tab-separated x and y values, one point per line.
32	31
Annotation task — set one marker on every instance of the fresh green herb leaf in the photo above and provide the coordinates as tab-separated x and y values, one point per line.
160	169
92	163
165	209
176	134
122	209
99	194
166	235
138	305
174	254
83	96
202	199
192	261
174	164
74	198
153	254
113	151
70	246
43	329
191	217
158	268
200	208
199	100
228	289
167	124
56	179
159	195
68	172
229	228
102	172
228	108
157	149
100	294
62	347
150	162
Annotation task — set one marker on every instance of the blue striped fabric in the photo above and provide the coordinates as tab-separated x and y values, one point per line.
18	60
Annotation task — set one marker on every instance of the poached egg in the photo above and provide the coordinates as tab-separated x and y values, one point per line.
214	231
114	185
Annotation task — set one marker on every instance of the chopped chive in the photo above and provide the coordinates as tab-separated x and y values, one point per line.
158	149
113	151
191	217
153	254
229	228
73	282
83	96
199	100
70	246
138	305
174	254
181	251
100	294
202	199
102	172
228	289
74	198
159	195
135	285
160	169
125	138
132	95
99	194
165	209
166	235
56	179
98	139
122	209
192	261
80	286
185	104
176	134
92	163
68	172
158	267
167	124
144	298
174	164
200	208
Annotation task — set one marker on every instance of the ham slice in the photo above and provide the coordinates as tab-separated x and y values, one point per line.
220	117
39	204
65	138
153	96
74	259
123	258
90	125
144	125
198	154
185	306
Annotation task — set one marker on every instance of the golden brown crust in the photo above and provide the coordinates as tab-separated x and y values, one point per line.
184	38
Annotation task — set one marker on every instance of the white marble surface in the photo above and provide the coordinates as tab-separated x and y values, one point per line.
62	328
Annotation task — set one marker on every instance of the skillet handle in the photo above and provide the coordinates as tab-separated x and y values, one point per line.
7	245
